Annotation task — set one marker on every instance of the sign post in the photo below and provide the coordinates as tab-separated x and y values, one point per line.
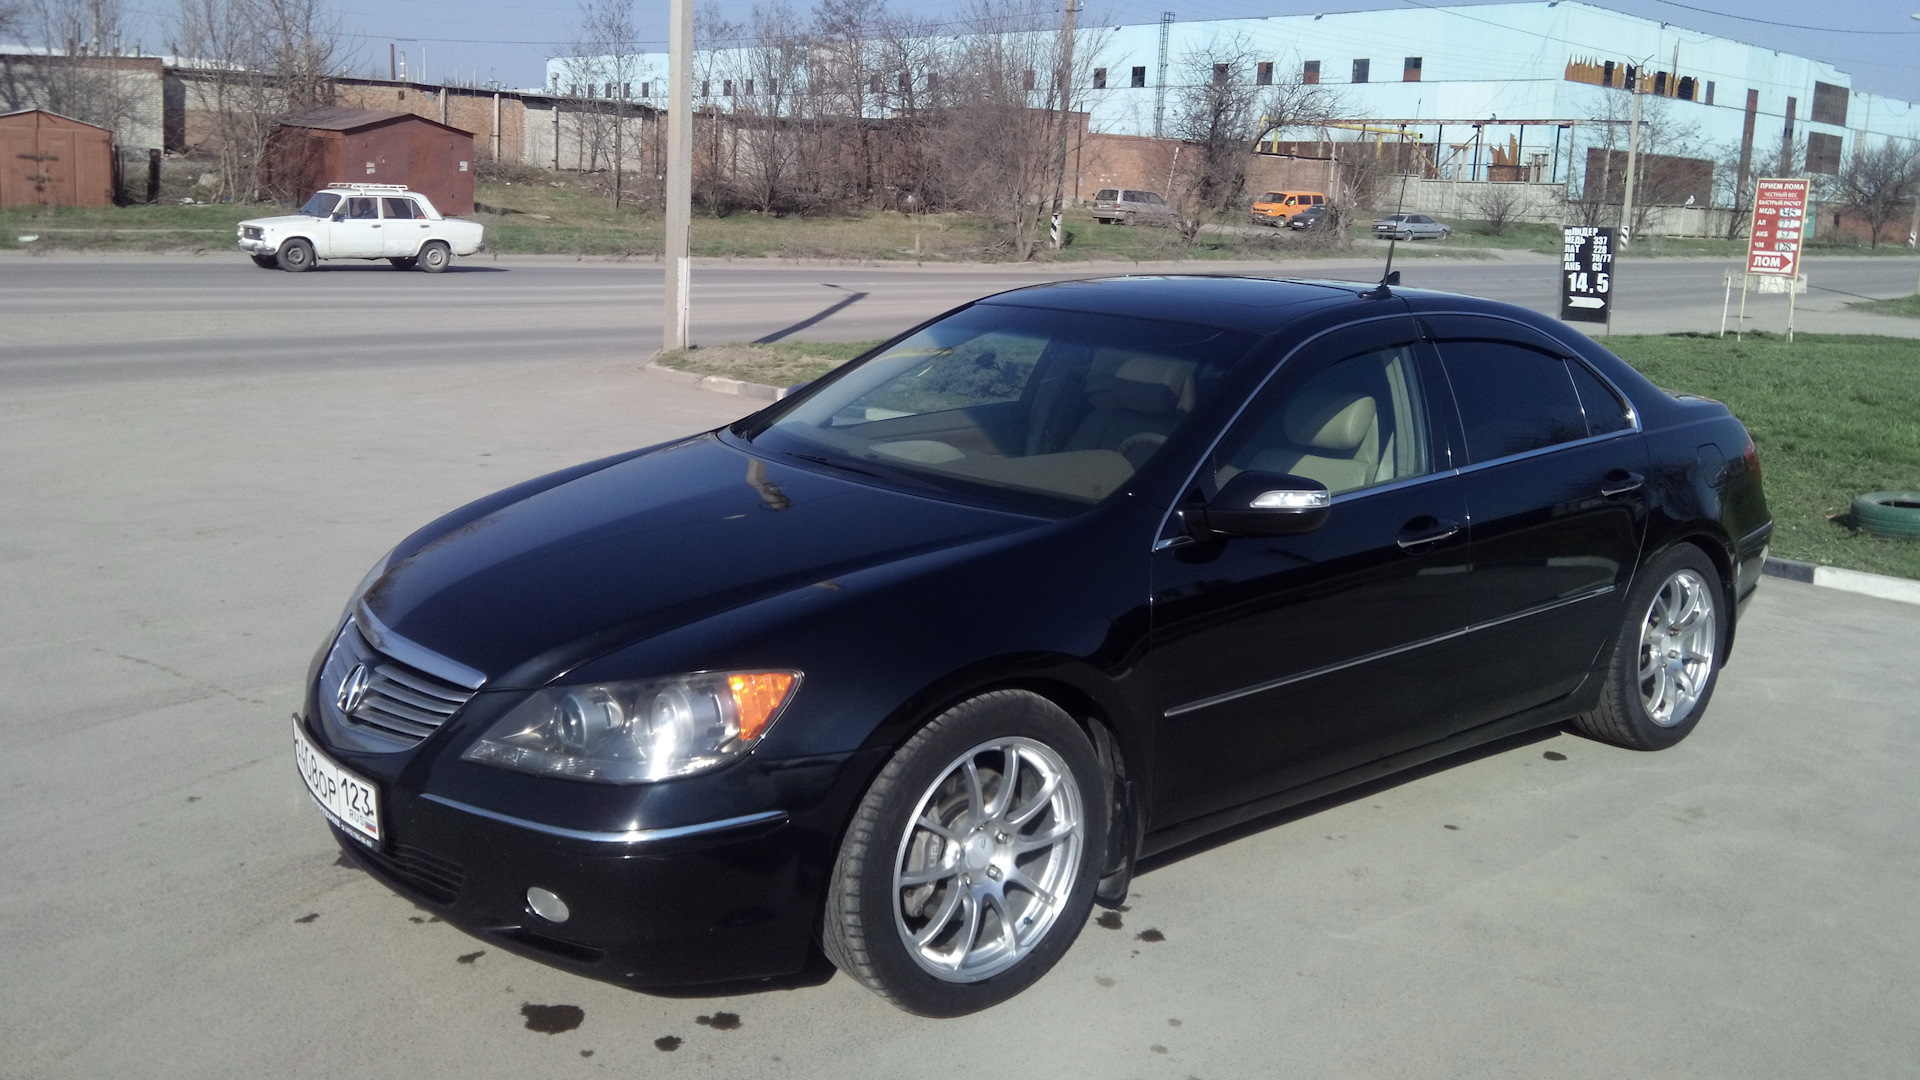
1773	241
1586	275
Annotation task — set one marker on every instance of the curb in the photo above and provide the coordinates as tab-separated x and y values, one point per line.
715	383
1854	581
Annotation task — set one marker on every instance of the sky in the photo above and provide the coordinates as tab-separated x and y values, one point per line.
1876	41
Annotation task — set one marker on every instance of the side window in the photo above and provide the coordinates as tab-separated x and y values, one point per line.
1512	399
1130	196
1605	412
1106	195
1350	425
361	208
399	208
1152	198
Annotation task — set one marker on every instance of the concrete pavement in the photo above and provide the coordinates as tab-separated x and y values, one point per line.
178	536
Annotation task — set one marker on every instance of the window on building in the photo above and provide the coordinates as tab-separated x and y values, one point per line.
1411	71
726	87
1310	72
874	84
1633	77
706	88
646	89
1099	78
1823	153
626	90
1660	83
1139	77
1221	73
1606	74
933	82
1686	91
1263	75
609	89
1360	70
1829	104
1026	79
1707	98
574	90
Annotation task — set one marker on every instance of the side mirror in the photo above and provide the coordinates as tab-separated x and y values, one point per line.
1265	504
339	215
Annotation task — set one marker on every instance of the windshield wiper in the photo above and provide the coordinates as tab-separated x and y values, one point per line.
892	476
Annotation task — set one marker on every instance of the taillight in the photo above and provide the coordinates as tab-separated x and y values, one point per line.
1752	458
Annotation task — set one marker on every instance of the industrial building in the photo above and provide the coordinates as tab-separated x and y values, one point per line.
1535	92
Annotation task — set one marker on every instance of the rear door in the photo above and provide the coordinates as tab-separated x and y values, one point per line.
1276	661
402	227
1554	475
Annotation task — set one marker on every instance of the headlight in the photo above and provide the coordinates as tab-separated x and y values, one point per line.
637	732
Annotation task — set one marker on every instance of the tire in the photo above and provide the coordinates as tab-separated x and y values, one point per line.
266	262
435	256
1128	220
1889	513
296	256
404	263
1028	859
1674	616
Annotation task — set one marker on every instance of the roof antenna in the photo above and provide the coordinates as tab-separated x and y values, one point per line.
1391	277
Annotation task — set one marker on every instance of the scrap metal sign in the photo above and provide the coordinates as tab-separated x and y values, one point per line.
1779	225
1586	283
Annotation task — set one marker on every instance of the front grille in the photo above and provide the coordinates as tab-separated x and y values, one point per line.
400	701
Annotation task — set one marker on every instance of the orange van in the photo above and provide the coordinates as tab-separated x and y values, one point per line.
1276	208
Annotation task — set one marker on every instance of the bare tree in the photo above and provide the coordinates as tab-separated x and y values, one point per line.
250	64
1878	185
605	63
1223	112
1499	205
1673	161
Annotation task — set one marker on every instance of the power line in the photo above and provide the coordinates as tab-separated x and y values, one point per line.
1788	25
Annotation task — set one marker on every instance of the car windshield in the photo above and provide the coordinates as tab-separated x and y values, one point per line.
1034	409
321	205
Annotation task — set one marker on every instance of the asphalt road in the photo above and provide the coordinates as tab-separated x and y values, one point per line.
180	519
72	320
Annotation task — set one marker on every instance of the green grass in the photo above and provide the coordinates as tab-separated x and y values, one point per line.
781	364
1907	306
160	227
1833	417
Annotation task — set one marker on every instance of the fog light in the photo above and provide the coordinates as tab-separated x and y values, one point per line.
547	905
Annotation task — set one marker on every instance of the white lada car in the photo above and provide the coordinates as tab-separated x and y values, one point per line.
361	221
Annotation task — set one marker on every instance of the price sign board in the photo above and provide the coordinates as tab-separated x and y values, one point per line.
1586	278
1779	227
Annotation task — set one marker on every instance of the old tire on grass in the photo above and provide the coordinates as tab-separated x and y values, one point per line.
435	256
296	256
970	866
1889	513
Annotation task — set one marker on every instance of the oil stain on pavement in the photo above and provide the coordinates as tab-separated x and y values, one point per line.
668	1043
552	1019
721	1021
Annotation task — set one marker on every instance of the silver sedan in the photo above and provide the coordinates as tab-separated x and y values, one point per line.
1410	227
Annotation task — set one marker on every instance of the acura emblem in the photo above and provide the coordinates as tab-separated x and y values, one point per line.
352	689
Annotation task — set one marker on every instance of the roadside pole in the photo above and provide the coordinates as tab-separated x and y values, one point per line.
1633	154
1066	100
679	283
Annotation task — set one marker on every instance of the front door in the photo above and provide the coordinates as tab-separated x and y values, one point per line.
357	233
1277	661
1554	472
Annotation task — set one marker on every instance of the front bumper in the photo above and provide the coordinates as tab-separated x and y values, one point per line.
259	246
734	895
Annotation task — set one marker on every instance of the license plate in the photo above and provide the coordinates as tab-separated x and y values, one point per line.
352	801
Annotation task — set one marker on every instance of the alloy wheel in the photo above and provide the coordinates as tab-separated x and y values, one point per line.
1677	640
988	860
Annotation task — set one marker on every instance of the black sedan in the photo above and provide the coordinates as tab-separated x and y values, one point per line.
913	666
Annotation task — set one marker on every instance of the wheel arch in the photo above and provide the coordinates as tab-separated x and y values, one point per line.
1719	550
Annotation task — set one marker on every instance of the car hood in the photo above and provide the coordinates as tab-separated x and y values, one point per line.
282	221
677	534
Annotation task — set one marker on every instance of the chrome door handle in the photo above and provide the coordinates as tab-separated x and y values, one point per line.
1619	482
1411	537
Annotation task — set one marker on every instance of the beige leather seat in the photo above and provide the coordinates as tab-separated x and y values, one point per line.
1135	407
1334	437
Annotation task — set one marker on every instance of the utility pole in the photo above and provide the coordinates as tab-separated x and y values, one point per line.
1066	117
1633	153
679	176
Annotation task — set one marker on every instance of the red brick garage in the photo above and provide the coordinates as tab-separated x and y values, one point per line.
328	145
49	160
